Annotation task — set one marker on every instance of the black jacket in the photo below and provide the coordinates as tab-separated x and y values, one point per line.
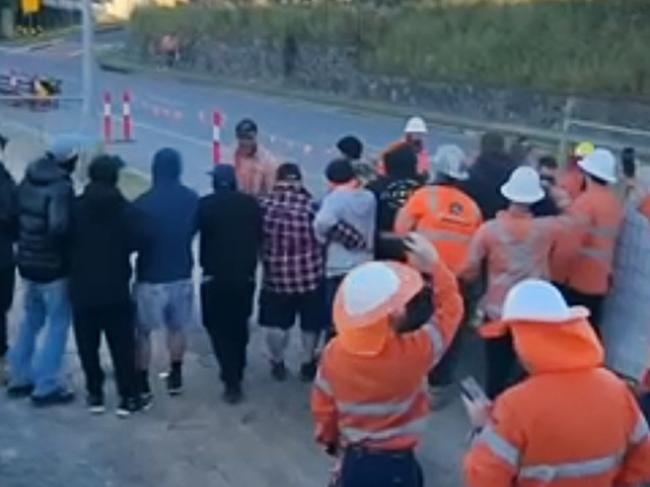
486	176
104	231
230	226
44	199
391	192
8	218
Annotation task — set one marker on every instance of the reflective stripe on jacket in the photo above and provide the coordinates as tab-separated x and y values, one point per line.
381	402
587	253
447	217
516	247
576	428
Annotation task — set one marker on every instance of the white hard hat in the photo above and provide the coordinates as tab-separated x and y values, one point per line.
416	125
539	301
367	296
601	163
450	160
524	186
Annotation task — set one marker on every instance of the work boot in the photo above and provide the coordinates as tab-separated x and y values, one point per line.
278	371
58	397
308	371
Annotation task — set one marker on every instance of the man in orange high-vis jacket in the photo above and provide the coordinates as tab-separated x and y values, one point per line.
588	256
368	399
515	246
415	131
572	423
443	213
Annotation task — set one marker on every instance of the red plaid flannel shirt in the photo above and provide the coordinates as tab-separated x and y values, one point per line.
292	257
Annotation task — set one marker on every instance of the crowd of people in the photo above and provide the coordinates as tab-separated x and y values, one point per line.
380	274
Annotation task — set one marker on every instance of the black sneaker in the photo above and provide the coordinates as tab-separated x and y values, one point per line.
146	401
279	371
233	395
128	406
308	371
175	383
55	398
19	392
95	404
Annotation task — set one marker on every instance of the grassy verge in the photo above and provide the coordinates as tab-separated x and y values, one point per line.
580	46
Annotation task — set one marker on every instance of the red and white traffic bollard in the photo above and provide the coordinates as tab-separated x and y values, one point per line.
127	123
216	137
107	117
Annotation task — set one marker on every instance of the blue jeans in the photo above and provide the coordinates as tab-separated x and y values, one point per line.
46	306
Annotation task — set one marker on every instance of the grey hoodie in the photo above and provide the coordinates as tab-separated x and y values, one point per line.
356	207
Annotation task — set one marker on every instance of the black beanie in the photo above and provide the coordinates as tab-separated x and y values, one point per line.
350	147
340	171
289	171
105	169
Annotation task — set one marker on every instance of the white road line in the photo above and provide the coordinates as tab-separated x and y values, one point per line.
169	133
165	101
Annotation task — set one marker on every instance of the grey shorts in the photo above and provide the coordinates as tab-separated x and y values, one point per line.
169	305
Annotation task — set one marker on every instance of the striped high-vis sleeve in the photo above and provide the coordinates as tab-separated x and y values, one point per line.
323	407
635	469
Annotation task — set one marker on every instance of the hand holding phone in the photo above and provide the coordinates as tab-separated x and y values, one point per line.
476	402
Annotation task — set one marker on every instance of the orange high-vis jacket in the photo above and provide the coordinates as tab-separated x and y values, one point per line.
517	246
447	217
587	253
424	160
570	424
381	401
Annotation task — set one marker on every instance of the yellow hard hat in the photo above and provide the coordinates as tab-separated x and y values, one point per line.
584	149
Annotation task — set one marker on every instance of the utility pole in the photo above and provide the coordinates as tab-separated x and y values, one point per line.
87	66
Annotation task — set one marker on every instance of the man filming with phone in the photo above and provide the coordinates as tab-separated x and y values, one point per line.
368	402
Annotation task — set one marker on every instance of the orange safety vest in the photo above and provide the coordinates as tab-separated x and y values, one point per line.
381	401
517	247
589	268
575	428
571	424
423	165
447	217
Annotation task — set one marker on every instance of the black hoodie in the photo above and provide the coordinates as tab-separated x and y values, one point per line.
486	176
105	230
44	199
8	217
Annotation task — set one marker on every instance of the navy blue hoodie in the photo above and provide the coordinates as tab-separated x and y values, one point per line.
171	213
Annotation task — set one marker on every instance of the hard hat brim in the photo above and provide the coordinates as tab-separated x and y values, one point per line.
524	198
585	166
575	313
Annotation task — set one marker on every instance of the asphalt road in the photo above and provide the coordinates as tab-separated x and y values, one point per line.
168	112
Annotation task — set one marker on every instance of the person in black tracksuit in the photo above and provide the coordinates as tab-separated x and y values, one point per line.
8	234
230	226
104	233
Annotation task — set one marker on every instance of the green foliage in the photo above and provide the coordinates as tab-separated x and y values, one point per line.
563	45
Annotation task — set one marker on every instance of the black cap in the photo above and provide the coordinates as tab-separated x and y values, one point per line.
351	147
340	171
105	169
246	129
223	177
289	171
